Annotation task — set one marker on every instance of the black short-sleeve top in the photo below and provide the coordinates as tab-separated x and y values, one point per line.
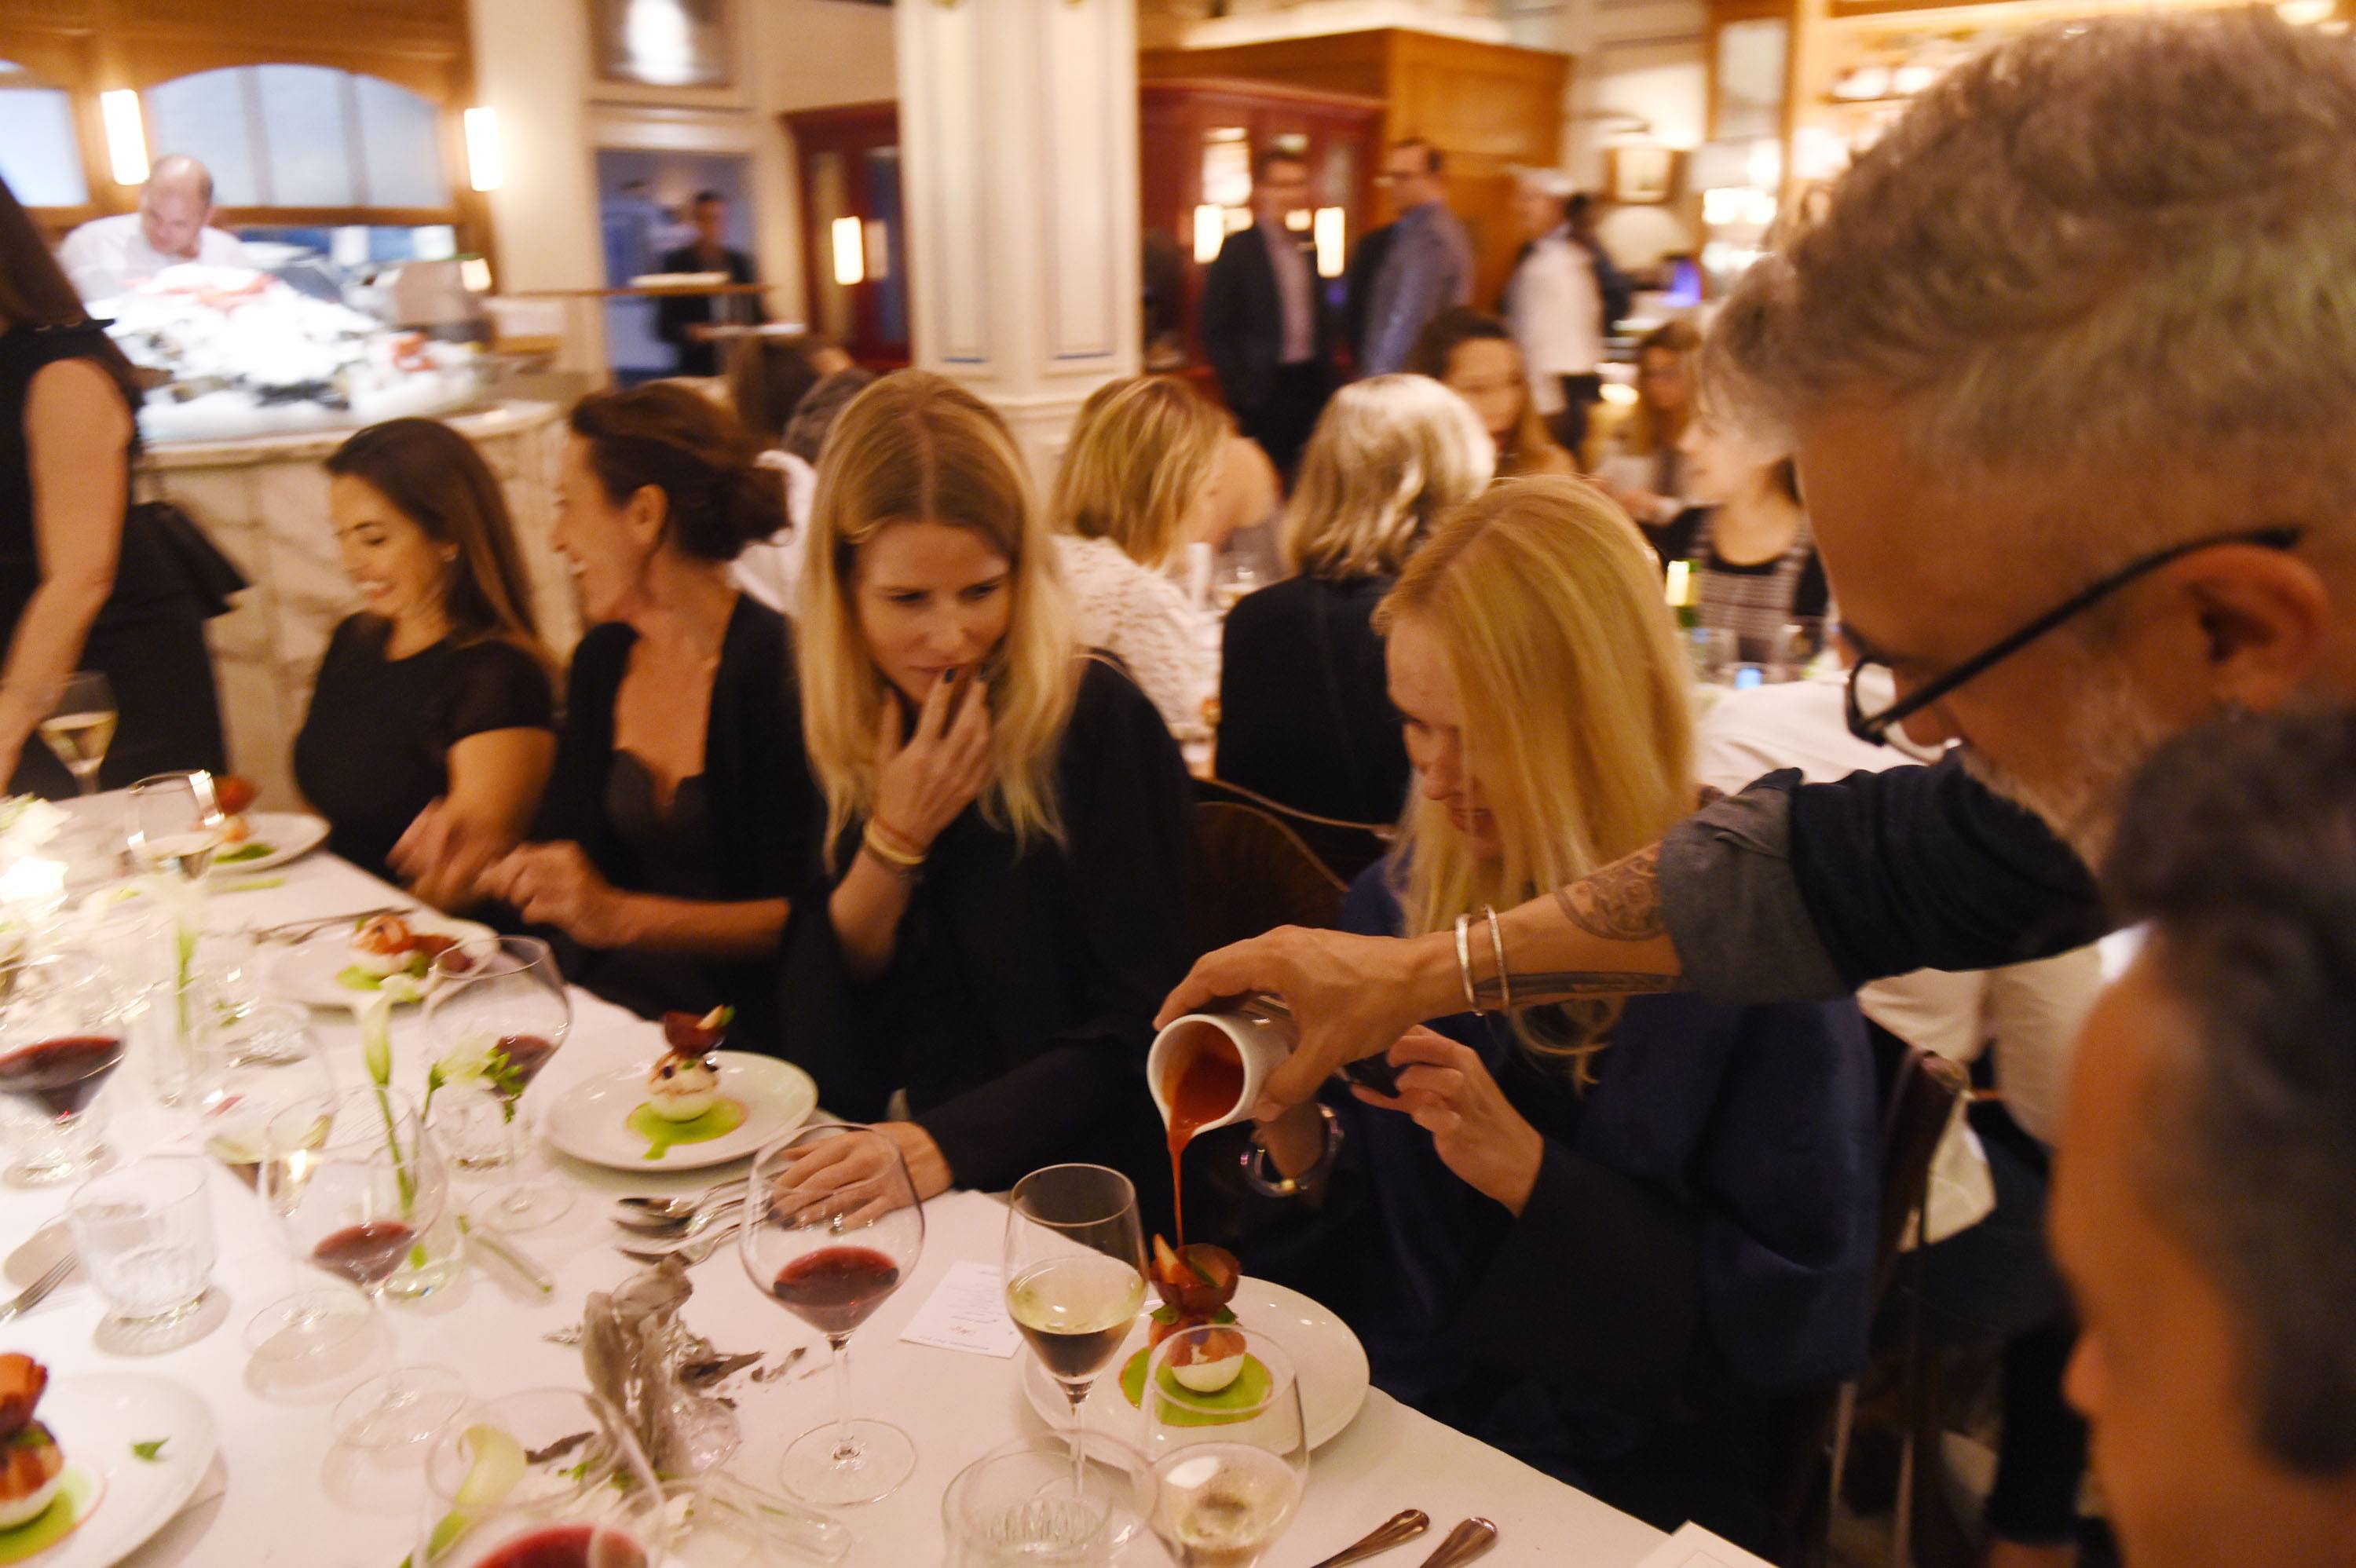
375	747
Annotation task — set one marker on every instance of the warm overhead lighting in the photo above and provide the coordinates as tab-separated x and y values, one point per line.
484	170
2305	13
1619	394
1210	232
475	276
1329	237
1296	220
850	251
126	139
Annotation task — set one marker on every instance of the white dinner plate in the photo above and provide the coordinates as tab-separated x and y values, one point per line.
285	835
95	1420
591	1120
307	972
1326	1356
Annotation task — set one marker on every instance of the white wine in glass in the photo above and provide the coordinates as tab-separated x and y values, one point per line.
176	824
80	727
1074	1272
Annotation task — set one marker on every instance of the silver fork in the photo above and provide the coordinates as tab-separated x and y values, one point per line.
33	1294
694	1252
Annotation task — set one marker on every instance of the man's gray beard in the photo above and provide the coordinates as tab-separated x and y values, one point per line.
2115	734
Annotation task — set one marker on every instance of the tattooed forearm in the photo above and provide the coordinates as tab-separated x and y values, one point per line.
1559	984
1621	903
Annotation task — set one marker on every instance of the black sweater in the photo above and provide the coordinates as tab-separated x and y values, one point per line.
1305	714
1019	1003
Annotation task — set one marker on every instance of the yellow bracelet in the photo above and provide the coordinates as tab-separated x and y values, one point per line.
879	844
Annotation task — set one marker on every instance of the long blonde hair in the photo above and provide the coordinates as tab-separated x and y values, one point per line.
917	447
1390	455
1143	451
1576	702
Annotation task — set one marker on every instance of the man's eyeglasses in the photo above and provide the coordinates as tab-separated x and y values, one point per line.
1875	727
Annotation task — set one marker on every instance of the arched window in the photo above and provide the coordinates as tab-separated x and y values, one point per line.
302	136
39	157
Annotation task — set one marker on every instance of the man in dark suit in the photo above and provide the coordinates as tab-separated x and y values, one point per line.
679	318
1264	323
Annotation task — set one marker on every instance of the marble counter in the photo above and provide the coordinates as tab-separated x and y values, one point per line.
264	503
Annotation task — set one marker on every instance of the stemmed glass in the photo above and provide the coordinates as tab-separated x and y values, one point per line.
546	1479
831	1227
60	1040
175	823
499	1009
80	727
1074	1272
358	1200
1229	1465
265	1066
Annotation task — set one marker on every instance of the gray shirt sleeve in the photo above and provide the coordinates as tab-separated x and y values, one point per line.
1734	909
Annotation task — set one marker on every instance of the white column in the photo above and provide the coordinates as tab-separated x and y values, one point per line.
1018	147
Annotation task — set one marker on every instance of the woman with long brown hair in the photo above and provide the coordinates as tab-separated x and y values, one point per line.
436	690
1474	355
71	595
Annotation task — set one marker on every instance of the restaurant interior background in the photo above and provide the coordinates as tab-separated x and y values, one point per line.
986	187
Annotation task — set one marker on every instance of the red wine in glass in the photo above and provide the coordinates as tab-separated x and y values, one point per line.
566	1546
365	1253
834	1288
62	1076
526	1055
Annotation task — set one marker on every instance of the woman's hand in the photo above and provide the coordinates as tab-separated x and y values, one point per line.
923	782
834	1163
442	855
1447	1089
555	884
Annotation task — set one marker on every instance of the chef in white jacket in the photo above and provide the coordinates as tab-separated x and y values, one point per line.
106	255
1556	310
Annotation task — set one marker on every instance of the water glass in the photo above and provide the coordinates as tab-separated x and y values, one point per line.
1228	1464
1016	1505
146	1234
1716	649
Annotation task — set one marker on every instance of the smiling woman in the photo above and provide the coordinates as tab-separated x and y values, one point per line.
1006	818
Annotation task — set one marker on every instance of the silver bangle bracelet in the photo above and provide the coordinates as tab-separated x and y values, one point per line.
1465	960
1259	1173
1497	946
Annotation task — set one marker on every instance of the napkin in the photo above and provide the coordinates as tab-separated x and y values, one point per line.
636	1350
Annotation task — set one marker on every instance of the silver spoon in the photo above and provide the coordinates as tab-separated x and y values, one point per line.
683	1205
1465	1542
693	1252
1397	1531
662	1228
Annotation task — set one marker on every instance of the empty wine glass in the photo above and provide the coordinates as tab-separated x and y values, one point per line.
255	1071
60	1040
80	727
1229	1458
499	1012
1074	1272
546	1479
831	1227
175	823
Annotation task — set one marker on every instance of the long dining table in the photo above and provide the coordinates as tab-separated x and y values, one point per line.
283	1490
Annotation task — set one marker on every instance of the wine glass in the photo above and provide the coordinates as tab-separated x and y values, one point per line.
175	823
60	1040
262	1066
831	1227
1074	1272
356	1202
498	1009
546	1479
80	727
1228	1464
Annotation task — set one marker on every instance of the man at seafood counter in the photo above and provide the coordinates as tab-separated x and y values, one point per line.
106	255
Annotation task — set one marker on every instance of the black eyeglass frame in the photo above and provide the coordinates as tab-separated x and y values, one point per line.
1874	727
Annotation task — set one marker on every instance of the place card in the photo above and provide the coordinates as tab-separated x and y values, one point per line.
967	1311
1694	1547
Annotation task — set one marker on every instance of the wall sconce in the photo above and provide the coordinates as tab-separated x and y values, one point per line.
126	138
475	276
483	169
1329	241
850	240
1210	233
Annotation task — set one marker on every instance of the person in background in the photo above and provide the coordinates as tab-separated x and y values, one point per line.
1755	565
1141	479
1615	289
1304	720
2204	1198
1988	1276
1470	353
685	321
80	585
1643	469
1427	262
1556	310
1264	322
173	224
435	693
767	377
1614	1237
679	818
839	379
1006	818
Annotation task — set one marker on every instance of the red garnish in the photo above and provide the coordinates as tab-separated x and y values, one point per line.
234	794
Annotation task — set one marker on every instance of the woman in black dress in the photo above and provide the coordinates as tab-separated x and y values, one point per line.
74	590
679	817
436	694
1006	818
1303	719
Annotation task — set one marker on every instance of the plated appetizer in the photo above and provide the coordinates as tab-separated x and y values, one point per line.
684	1102
235	794
1195	1284
394	952
32	1466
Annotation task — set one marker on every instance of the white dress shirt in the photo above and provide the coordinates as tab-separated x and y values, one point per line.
1557	315
107	255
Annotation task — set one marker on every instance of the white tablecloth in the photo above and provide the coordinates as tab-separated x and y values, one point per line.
295	1496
